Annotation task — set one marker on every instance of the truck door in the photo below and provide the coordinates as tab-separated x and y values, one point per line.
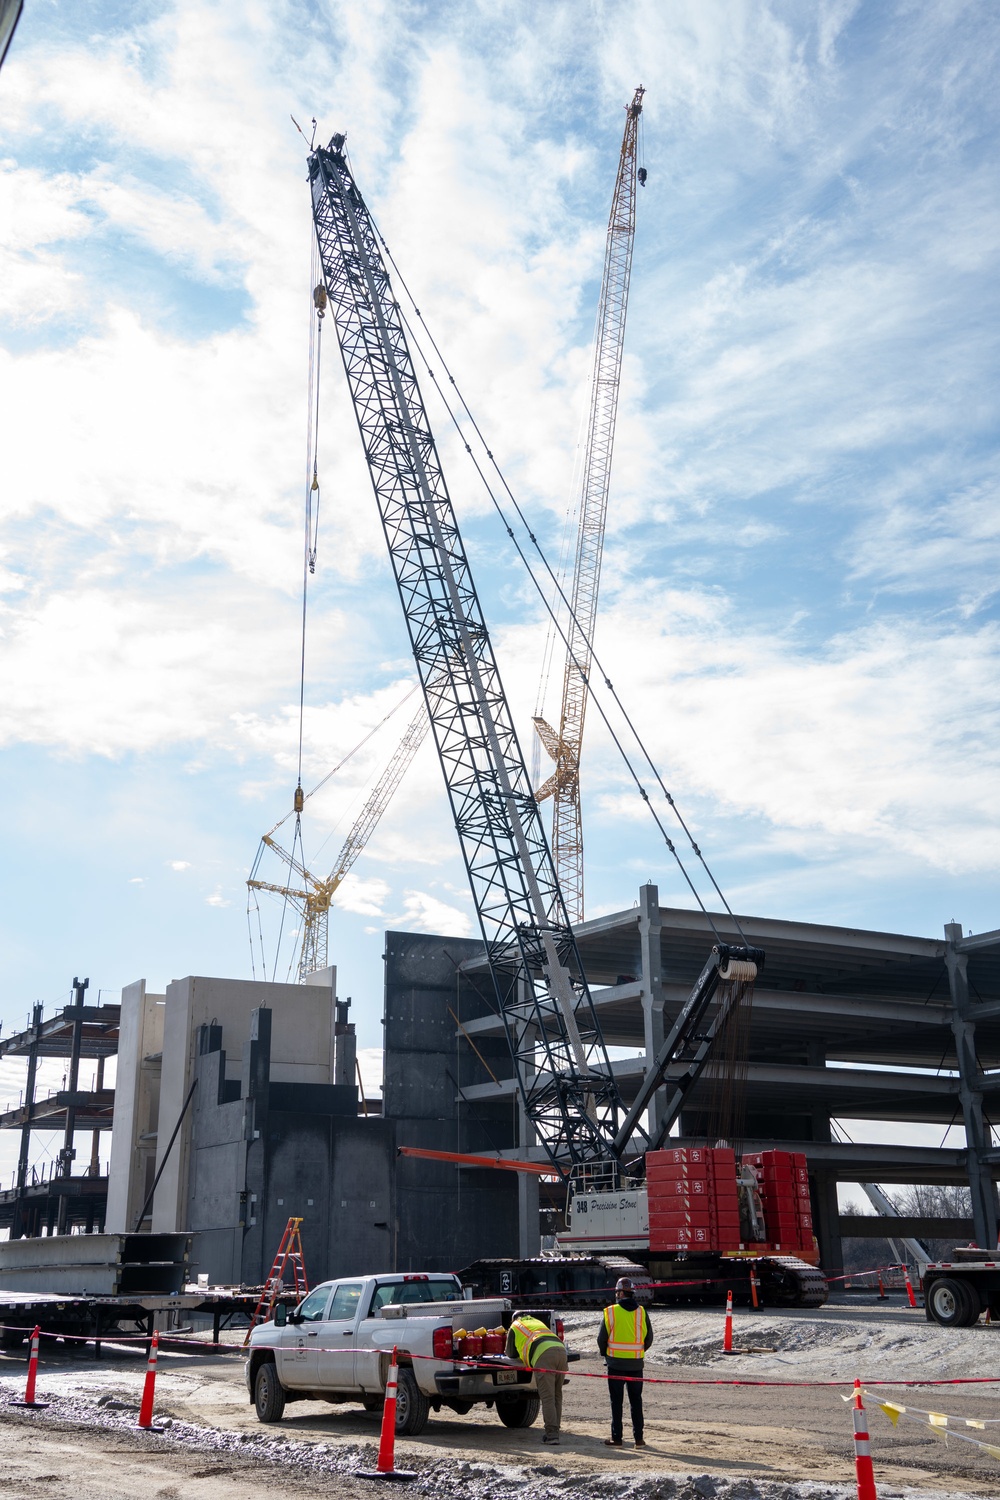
335	1346
296	1353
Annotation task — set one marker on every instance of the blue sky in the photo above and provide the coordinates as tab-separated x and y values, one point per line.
799	597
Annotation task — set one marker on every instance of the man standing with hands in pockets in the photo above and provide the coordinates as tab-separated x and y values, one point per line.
623	1338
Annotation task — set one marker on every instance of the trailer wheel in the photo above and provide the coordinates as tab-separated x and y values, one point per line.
268	1393
519	1411
412	1406
950	1304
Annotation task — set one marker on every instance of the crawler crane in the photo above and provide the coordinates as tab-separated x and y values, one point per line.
563	1071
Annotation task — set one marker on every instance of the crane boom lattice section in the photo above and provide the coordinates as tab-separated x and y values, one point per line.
565	747
562	1065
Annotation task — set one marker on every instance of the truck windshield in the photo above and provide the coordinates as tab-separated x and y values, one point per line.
434	1289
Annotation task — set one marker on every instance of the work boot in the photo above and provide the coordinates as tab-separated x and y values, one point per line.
550	1437
640	1442
612	1442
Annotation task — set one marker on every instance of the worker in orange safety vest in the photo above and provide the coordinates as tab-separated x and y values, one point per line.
530	1341
623	1338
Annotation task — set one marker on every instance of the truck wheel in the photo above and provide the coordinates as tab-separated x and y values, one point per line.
949	1303
412	1406
519	1411
268	1393
373	1403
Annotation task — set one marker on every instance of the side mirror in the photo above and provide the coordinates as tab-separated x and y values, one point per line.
280	1315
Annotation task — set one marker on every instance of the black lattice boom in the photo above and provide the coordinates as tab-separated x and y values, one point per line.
562	1065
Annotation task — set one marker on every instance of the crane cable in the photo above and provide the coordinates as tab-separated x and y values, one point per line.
561	595
309	549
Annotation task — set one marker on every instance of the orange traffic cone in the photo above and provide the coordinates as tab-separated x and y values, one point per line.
909	1286
727	1342
881	1288
753	1287
29	1389
387	1443
862	1450
146	1407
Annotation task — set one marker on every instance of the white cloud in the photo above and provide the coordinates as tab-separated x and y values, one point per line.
423	912
217	899
366	898
180	864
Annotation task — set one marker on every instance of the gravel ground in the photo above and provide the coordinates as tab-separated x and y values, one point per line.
706	1442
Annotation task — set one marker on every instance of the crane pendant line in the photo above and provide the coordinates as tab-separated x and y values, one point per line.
560	1060
565	747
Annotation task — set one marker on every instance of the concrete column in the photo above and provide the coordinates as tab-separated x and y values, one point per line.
977	1134
826	1221
652	988
19	1223
345	1046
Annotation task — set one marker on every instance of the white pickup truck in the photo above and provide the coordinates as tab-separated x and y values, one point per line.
337	1344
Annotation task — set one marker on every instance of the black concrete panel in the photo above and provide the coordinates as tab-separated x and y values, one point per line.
315	1098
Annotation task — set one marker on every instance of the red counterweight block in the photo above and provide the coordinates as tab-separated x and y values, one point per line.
783	1179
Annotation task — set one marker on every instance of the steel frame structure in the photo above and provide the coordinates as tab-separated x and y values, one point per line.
565	747
560	1059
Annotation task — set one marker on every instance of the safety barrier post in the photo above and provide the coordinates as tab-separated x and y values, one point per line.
909	1285
146	1406
727	1342
881	1288
29	1389
387	1441
753	1287
862	1450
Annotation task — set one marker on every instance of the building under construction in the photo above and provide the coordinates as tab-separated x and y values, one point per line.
240	1099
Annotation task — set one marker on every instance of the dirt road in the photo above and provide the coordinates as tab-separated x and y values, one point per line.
749	1441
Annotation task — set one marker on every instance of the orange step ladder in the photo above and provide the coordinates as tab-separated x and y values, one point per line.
289	1253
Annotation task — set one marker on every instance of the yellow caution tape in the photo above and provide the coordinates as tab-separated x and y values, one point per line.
938	1424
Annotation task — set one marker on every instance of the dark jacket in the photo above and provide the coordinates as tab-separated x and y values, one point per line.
623	1366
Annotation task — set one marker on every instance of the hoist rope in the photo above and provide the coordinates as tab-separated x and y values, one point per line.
561	595
311	522
342	763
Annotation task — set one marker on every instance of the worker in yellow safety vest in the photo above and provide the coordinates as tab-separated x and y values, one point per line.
542	1352
623	1338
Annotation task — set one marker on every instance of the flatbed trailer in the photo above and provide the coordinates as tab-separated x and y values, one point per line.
103	1317
588	1281
957	1292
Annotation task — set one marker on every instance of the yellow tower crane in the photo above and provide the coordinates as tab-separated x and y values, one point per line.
563	785
314	900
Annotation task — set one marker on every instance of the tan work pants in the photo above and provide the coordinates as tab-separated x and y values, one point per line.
550	1385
